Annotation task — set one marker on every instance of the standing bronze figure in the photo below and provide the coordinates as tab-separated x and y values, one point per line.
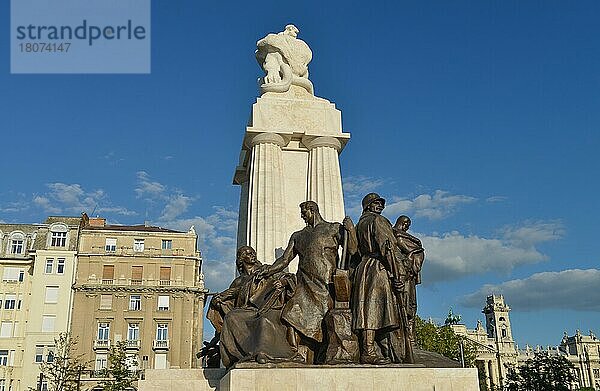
317	248
378	305
413	250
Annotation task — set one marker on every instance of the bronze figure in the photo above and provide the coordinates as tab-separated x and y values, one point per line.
413	250
377	302
247	316
317	248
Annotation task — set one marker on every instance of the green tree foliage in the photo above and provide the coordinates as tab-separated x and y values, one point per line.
62	368
443	340
120	374
540	373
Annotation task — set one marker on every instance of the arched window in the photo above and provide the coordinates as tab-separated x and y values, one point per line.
501	319
16	243
58	235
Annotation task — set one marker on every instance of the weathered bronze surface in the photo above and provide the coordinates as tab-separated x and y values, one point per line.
357	309
247	316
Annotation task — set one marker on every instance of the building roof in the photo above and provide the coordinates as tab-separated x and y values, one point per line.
142	227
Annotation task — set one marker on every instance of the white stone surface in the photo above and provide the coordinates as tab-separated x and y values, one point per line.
289	155
351	379
181	379
313	378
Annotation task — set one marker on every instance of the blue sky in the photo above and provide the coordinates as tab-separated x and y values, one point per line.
477	118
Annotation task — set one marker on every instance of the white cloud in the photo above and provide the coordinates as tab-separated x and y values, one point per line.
72	198
572	289
361	185
453	255
176	205
438	205
146	188
217	242
496	199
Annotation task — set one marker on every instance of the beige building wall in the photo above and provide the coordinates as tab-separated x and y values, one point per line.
142	285
16	269
43	297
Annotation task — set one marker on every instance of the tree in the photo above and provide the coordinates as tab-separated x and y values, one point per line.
540	373
443	340
120	374
62	368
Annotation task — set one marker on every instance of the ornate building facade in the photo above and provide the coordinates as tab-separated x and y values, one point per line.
38	267
497	351
142	285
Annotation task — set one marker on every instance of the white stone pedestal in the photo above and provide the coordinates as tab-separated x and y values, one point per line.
328	378
289	155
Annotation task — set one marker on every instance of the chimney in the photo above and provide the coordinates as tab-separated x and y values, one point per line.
97	221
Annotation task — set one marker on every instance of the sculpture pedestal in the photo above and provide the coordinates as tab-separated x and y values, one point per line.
342	378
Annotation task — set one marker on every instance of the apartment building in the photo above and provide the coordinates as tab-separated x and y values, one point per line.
139	284
38	264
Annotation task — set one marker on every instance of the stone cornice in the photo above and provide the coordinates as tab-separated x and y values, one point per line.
138	288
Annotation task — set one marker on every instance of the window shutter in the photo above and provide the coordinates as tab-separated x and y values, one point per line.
136	272
105	302
108	272
163	302
165	273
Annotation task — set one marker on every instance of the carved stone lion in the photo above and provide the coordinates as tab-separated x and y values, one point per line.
284	58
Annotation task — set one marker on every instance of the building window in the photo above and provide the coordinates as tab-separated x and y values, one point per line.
103	331
44	385
136	275
12	274
60	266
19	302
48	323
6	329
39	353
165	276
59	239
3	357
133	332
105	302
138	245
108	274
163	303
10	302
16	246
51	294
3	385
50	355
596	373
49	265
135	303
111	245
504	333
101	361
162	332
167	244
160	361
21	275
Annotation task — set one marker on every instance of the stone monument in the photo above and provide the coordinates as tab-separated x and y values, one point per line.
340	322
290	149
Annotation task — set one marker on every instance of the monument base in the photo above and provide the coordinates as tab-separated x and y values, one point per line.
351	377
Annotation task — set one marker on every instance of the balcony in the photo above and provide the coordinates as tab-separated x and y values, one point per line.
132	344
160	344
164	282
106	281
101	344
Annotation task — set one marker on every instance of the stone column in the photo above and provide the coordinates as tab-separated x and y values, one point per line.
486	372
266	222
324	177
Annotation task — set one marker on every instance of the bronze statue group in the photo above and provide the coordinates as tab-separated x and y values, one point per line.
357	309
